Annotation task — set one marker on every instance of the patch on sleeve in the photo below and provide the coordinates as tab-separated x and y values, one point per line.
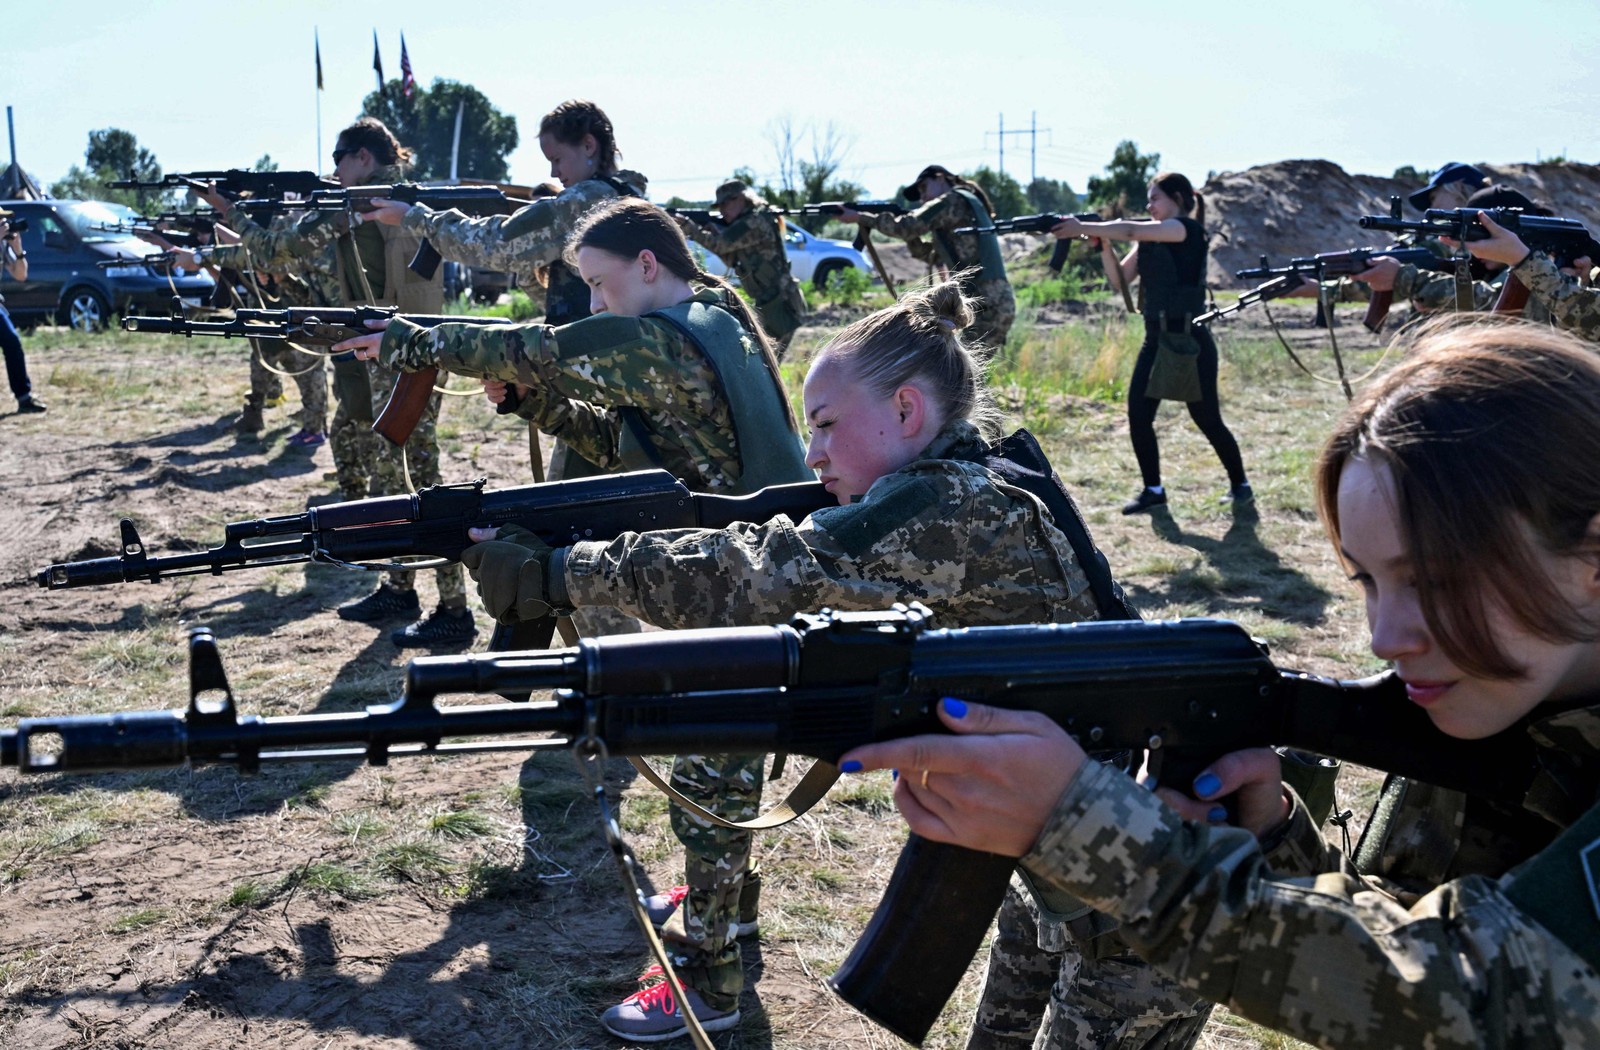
1560	888
860	526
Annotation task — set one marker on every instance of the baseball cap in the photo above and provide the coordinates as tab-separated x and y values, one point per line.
729	190
1454	171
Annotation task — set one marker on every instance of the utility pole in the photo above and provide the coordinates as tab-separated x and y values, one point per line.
1032	131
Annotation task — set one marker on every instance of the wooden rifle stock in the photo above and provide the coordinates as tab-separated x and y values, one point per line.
407	402
1513	297
1378	310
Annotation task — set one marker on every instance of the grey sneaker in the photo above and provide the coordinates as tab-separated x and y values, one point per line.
654	1015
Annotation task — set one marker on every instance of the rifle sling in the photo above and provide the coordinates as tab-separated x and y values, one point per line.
806	794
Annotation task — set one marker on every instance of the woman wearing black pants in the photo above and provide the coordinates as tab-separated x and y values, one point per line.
1169	256
14	263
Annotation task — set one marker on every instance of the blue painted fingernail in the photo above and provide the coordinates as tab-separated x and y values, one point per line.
851	766
1217	815
894	774
955	708
1207	784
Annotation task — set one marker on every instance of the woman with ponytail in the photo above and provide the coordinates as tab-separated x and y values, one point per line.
947	202
1178	360
900	424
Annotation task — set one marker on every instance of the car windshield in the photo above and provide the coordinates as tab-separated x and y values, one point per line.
85	216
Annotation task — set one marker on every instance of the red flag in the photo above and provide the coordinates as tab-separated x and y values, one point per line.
407	81
377	61
319	59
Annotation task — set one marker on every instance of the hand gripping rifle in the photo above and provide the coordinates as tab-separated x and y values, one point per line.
470	200
1185	691
1328	266
1044	222
433	524
325	326
1565	240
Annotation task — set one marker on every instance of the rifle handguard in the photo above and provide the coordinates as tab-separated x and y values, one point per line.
407	402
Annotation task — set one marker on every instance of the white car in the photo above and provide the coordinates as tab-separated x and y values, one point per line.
811	258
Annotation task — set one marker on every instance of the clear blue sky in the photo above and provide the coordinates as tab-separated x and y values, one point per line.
694	88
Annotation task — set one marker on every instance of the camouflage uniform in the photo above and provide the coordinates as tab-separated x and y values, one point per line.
1570	305
368	270
752	244
1432	292
1338	960
582	378
997	308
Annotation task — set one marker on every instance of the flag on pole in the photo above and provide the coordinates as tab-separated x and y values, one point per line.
407	81
318	41
377	61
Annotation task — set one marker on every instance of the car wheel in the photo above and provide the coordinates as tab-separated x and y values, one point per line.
85	310
826	269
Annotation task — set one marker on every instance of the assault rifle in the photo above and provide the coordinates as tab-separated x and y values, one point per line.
181	238
863	237
700	216
18	224
470	200
1041	223
1185	692
324	326
1331	265
236	182
179	227
1565	240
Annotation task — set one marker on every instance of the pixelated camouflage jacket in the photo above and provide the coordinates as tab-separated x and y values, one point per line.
1329	959
947	212
581	372
317	271
519	243
1570	305
752	245
943	531
1431	292
314	233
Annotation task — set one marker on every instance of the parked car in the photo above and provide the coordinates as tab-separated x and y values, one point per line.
811	258
65	284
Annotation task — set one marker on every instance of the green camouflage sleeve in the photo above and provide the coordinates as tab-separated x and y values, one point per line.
972	551
231	257
590	429
742	235
531	236
282	249
948	212
1329	960
1430	291
1571	305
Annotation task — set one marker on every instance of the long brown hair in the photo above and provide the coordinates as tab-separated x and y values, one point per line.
1180	189
957	180
626	226
1491	433
577	117
918	341
374	136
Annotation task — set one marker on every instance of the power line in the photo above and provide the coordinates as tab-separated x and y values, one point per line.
1032	132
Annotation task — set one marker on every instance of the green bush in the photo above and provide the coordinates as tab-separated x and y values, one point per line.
847	286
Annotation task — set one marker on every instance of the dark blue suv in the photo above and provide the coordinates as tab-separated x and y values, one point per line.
64	283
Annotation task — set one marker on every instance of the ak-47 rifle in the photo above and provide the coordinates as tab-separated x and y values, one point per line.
178	227
1563	239
236	182
863	237
1044	222
324	326
699	216
1184	692
470	200
1331	265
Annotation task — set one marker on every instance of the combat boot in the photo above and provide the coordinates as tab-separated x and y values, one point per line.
250	421
385	603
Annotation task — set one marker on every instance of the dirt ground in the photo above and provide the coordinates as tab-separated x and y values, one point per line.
465	901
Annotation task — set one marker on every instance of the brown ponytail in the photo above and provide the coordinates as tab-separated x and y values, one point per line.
374	136
1180	189
626	226
569	122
